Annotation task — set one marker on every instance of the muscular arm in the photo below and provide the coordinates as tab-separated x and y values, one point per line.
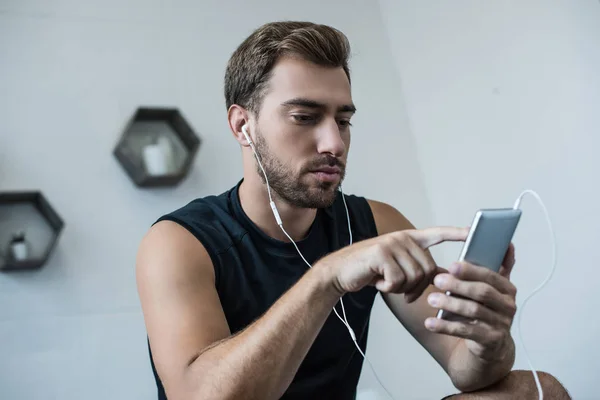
194	352
465	370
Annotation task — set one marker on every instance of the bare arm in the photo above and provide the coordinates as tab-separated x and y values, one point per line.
467	371
194	352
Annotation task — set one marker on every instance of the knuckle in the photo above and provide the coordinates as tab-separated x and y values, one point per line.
486	293
412	242
403	238
462	330
400	281
395	287
497	337
396	283
512	308
495	280
473	310
429	271
491	339
429	266
409	284
418	275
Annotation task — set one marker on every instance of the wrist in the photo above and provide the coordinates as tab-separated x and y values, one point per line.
505	353
326	275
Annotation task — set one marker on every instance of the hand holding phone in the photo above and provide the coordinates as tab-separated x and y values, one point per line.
486	246
478	301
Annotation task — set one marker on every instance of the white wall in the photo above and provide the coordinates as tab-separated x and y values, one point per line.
503	96
71	74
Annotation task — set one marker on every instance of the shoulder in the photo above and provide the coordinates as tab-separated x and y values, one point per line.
187	240
200	210
169	255
388	218
210	220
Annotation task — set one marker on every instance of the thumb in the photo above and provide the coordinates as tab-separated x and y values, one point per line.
432	236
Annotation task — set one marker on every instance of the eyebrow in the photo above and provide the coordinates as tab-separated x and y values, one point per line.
315	104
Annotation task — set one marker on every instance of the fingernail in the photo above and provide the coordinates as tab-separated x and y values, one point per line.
439	280
429	323
434	299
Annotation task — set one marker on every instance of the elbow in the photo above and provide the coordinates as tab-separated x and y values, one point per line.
464	385
210	378
200	381
467	387
467	383
469	374
195	382
195	391
208	391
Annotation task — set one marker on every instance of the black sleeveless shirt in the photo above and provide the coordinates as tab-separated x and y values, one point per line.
253	270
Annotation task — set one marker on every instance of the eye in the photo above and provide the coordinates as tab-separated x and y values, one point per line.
304	118
344	123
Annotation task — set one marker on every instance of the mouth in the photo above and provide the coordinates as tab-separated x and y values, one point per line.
327	174
329	170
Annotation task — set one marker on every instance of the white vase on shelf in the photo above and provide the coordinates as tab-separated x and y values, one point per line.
155	160
167	147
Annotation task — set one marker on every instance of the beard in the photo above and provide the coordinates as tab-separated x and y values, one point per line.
290	186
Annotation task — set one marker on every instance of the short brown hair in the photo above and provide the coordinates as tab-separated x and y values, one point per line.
249	67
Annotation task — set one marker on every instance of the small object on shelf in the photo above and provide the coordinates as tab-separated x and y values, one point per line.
157	147
155	160
19	248
166	147
29	230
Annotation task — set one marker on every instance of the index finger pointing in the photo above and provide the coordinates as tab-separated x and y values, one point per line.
432	236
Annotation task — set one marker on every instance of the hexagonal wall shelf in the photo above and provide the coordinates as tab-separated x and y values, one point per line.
29	230
157	147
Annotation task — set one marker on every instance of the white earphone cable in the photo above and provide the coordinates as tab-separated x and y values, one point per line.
344	320
552	269
280	223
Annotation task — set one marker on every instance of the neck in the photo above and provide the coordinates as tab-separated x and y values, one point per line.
255	203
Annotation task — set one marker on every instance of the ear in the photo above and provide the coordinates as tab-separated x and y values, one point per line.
238	116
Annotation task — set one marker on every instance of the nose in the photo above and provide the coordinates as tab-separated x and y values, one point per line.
329	139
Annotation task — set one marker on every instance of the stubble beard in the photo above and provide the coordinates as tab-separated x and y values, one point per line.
292	187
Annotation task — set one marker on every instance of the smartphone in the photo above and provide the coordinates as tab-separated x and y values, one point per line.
486	245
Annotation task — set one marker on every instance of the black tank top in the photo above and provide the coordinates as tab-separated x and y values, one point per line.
253	270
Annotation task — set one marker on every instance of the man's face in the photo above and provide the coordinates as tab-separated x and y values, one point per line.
303	133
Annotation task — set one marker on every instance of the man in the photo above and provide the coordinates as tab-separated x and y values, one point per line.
231	307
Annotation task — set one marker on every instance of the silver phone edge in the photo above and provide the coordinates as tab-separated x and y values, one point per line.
463	252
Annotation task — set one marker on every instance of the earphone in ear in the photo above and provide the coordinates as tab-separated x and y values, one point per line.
245	132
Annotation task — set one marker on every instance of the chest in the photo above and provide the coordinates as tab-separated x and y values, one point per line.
252	277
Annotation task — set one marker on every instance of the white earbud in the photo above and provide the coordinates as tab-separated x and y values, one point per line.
245	132
271	202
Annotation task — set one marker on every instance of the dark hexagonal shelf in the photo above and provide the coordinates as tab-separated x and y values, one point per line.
29	230
157	147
